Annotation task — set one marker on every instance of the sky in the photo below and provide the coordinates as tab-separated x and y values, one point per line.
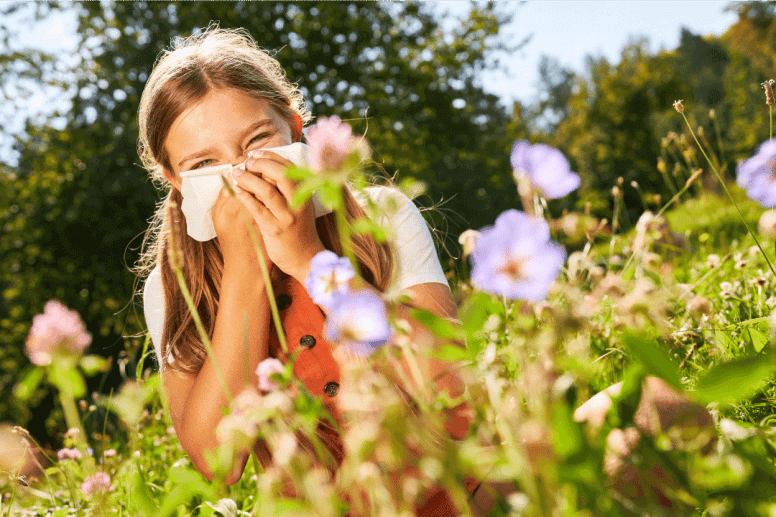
570	31
566	30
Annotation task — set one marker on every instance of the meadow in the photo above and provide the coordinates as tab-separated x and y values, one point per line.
686	296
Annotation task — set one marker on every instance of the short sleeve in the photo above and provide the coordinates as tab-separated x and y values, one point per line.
153	308
415	261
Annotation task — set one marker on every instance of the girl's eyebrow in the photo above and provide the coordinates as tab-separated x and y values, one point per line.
244	134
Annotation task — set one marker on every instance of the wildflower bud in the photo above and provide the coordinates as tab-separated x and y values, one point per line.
768	92
661	166
588	207
634	184
700	131
173	246
467	240
695	174
712	114
678	106
767	224
675	171
82	405
620	181
657	199
664	142
615	191
699	305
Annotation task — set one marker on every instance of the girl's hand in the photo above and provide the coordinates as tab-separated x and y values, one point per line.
290	237
236	243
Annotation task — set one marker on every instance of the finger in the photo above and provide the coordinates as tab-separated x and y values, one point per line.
266	193
272	170
260	213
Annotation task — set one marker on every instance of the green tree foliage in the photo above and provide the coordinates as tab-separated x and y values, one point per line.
77	204
618	120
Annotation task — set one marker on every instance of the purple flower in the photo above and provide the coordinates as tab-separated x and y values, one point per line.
358	321
516	258
265	369
757	175
546	167
99	482
329	275
331	141
56	329
69	454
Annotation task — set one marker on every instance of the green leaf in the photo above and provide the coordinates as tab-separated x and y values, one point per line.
367	226
624	404
448	353
736	379
295	173
330	195
304	192
567	436
30	380
140	499
723	341
654	359
91	364
68	380
476	310
440	326
756	339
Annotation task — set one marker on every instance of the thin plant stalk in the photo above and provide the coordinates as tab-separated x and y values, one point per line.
71	416
719	139
730	196
201	329
344	230
264	270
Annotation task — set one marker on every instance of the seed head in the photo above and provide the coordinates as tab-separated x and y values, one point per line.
661	165
712	114
620	181
634	184
678	106
695	174
615	191
173	246
768	92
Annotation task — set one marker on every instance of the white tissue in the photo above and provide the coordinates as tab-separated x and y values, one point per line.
201	187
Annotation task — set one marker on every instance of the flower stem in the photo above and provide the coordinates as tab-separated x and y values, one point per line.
771	120
264	272
729	196
344	231
201	329
71	415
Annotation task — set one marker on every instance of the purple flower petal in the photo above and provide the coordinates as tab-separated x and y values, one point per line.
757	175
329	275
515	258
547	168
358	321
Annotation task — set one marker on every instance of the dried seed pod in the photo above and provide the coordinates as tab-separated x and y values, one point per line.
768	92
174	254
678	106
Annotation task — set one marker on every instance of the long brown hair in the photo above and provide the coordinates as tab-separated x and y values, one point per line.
217	58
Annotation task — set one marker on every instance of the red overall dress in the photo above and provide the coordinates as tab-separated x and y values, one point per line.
303	324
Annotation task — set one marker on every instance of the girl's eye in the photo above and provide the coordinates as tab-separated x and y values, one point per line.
262	136
203	162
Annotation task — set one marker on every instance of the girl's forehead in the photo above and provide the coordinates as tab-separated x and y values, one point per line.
220	114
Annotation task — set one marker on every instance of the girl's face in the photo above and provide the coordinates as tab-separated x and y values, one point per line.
221	129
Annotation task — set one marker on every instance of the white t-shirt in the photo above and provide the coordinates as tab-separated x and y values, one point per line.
415	260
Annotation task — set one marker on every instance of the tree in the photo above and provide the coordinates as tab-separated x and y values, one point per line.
82	200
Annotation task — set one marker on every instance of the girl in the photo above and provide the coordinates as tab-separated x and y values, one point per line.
214	100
